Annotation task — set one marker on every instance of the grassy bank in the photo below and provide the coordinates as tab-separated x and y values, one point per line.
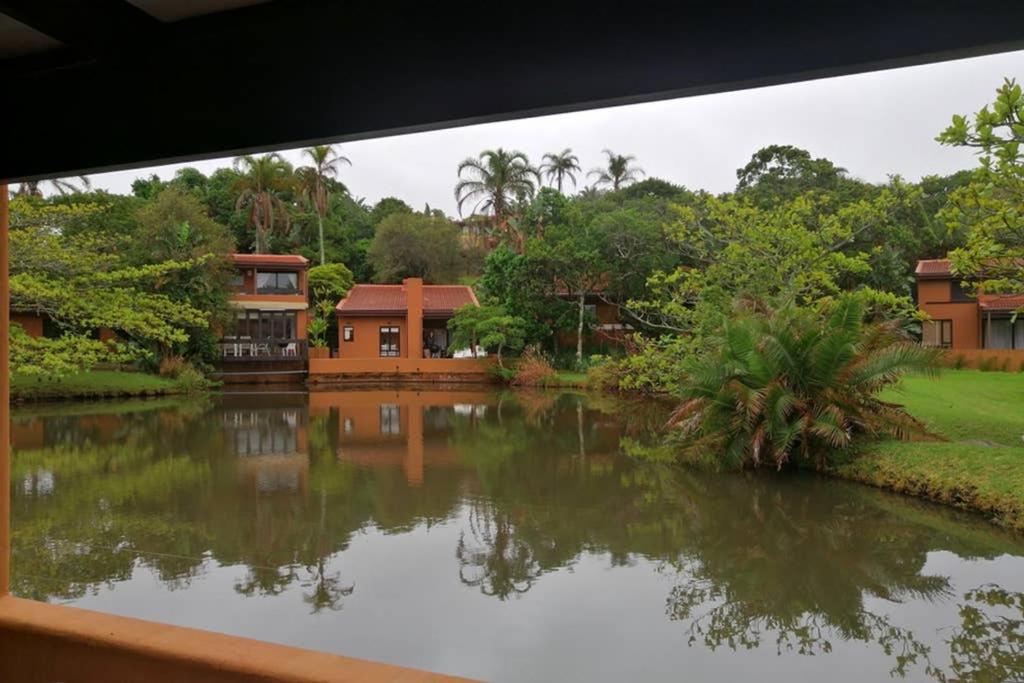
94	384
979	467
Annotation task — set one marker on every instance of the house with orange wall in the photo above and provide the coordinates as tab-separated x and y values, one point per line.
269	295
961	321
409	320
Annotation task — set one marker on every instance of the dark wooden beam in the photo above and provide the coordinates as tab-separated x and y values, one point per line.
289	73
96	25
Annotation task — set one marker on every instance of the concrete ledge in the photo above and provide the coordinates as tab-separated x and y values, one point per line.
398	366
41	642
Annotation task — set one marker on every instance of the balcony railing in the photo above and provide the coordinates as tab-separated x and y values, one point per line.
275	349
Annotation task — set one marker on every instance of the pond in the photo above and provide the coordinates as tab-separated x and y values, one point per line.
499	535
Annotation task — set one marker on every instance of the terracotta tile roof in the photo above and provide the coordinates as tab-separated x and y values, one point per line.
933	268
1001	302
437	299
257	260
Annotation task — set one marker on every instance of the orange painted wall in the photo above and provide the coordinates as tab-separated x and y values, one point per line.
44	643
366	342
933	297
410	366
32	323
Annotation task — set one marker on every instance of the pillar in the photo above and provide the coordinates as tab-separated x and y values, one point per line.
413	464
414	317
5	402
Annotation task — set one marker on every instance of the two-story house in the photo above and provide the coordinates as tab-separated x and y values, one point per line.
961	321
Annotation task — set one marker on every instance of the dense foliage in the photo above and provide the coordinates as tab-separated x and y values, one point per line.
791	385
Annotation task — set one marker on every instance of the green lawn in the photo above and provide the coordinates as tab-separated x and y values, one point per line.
94	384
980	466
567	379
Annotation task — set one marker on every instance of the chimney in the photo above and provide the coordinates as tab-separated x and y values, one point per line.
414	316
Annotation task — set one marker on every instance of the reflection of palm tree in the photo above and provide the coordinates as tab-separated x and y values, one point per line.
327	589
500	563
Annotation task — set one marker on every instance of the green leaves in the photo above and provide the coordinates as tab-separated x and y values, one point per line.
795	384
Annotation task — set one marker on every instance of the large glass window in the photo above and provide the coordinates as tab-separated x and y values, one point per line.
277	283
265	325
937	333
389	342
998	334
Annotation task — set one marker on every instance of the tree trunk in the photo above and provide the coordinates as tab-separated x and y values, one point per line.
579	329
320	227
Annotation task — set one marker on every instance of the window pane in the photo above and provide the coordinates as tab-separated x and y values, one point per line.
265	280
930	333
997	334
1018	335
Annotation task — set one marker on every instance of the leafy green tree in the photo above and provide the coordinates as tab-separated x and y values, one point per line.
494	182
488	326
618	172
780	173
174	227
789	385
315	183
82	283
415	245
387	206
259	191
561	166
518	283
991	207
328	284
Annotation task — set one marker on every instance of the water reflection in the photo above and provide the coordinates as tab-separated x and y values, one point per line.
290	491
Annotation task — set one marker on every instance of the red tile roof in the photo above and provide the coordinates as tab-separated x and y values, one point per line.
1001	302
933	268
437	299
269	260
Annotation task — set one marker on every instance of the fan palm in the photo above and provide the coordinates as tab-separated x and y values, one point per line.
619	172
63	186
314	183
263	180
495	181
788	383
560	166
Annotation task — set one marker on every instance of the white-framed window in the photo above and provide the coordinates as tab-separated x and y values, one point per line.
390	342
348	333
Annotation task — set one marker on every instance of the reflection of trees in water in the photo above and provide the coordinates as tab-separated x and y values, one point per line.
761	561
494	557
989	643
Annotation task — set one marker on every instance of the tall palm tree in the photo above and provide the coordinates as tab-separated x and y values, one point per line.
495	181
61	185
259	189
314	182
619	172
560	166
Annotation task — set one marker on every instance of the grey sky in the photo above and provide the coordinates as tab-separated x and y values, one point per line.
872	124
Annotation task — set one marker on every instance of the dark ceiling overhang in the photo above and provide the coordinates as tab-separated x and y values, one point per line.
128	90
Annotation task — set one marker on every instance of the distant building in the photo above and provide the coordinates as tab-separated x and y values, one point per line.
269	295
960	321
409	320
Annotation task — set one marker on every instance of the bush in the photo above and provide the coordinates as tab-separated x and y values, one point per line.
191	381
172	366
533	369
796	385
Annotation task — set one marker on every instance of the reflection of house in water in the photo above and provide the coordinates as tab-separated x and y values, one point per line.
269	435
407	429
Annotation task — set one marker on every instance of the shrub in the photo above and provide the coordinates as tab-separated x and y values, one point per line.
796	384
172	366
191	381
533	368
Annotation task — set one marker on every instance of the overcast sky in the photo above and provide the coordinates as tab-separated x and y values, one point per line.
872	124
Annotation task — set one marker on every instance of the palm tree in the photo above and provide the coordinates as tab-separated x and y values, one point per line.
559	166
314	182
263	180
789	384
61	185
619	171
495	181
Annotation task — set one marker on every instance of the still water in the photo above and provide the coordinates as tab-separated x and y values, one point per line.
504	536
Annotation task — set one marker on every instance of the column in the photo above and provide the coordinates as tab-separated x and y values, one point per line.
413	317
